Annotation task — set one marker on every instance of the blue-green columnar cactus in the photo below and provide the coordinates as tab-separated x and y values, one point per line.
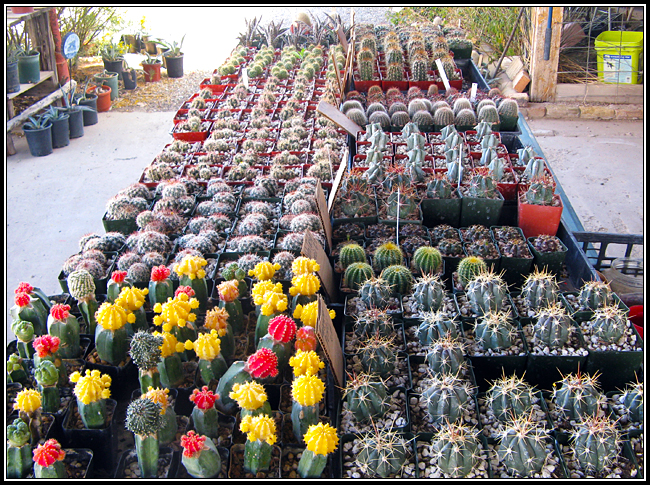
375	292
540	289
486	292
373	321
366	397
446	397
541	191
523	447
382	453
609	323
429	292
494	331
596	443
446	355
595	294
553	327
510	397
577	396
378	356
455	449
534	166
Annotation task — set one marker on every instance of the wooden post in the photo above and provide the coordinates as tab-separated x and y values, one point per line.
544	73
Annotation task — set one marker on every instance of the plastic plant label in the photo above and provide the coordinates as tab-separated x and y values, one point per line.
472	95
312	249
337	180
329	341
443	74
336	116
324	213
244	77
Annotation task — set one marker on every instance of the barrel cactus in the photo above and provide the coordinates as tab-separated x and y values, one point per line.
351	253
378	355
382	453
510	397
509	114
356	275
540	289
609	324
523	447
387	254
427	260
399	278
486	292
469	268
494	331
553	326
375	292
447	397
577	396
633	401
455	449
595	294
366	397
373	321
435	325
596	443
429	292
446	355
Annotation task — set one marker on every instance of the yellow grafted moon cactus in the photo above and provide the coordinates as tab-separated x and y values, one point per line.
91	387
217	319
171	364
308	314
306	363
264	271
132	298
176	312
28	401
161	396
228	290
302	265
259	428
113	316
170	345
250	396
207	346
306	284
261	288
321	440
307	389
191	266
270	298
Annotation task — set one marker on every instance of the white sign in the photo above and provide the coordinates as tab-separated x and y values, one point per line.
443	74
472	95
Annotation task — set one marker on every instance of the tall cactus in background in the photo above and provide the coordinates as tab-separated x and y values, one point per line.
82	288
366	64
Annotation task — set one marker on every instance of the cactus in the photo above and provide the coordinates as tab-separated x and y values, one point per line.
321	440
366	397
553	327
486	291
596	443
523	447
65	326
483	184
146	354
400	204
115	284
594	295
399	118
494	331
48	460
633	401
284	259
261	435
373	321
82	288
251	398
281	331
356	275
47	348
455	448
200	456
424	120
375	292
540	289
366	64
19	451
351	253
382	453
378	355
428	291
191	273
307	391
399	278
161	287
509	114
24	332
387	254
167	433
395	107
357	116
446	355
217	320
47	377
446	397
144	420
443	116
112	334
170	366
31	310
465	119
212	364
577	396
534	167
260	365
419	69
271	301
132	299
489	114
510	398
540	191
92	391
609	323
17	370
435	325
427	260
34	292
439	187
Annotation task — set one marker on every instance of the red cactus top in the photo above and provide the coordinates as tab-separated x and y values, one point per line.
282	328
46	345
192	443
184	289
22	299
24	287
118	276
60	312
46	454
160	273
306	339
203	399
263	363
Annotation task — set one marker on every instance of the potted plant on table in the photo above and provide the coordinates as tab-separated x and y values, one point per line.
540	209
151	66
173	57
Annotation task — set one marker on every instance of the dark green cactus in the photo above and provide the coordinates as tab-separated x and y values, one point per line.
356	274
395	71
146	354
455	448
510	397
24	332
399	278
469	268
446	397
494	331
540	191
609	323
633	401
577	396
366	397
351	253
82	287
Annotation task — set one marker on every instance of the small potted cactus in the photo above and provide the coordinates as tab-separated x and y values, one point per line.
540	208
144	420
24	332
115	284
177	316
31	310
82	288
261	436
321	440
93	393
218	319
112	333
251	398
228	300
145	350
19	450
207	347
307	391
48	460
17	371
47	348
200	456
522	447
281	332
28	405
47	377
161	288
191	273
481	200
455	448
204	414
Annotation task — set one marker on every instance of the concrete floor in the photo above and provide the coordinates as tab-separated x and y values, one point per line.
52	201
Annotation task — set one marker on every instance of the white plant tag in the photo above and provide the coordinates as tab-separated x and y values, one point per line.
472	95
443	74
244	77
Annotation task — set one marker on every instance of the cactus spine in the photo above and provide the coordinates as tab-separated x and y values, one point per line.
553	327
366	397
382	453
446	398
510	397
435	325
522	448
494	331
456	450
577	396
596	443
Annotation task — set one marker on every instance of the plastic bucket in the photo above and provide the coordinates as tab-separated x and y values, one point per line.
619	57
636	317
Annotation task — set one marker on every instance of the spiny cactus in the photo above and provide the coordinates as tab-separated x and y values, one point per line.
427	260
378	355
435	325
540	289
487	291
494	331
510	397
146	354
540	191
366	397
399	278
144	420
373	321
382	453
633	401
455	449
447	397
387	254
553	326
509	114
609	323
594	295
399	118
577	396
446	355
351	253
375	292
523	447
356	274
596	443
429	293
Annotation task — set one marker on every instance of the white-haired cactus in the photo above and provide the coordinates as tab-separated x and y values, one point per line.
596	443
523	447
82	287
447	397
455	449
577	396
510	397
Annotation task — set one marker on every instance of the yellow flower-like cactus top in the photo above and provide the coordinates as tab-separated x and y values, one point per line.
270	298
302	265
161	396
28	401
91	387
260	428
131	298
321	439
217	319
176	311
307	390
264	271
191	266
304	284
207	346
250	395
112	316
228	290
308	314
170	345
306	363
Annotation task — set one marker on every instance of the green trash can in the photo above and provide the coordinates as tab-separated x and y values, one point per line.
620	57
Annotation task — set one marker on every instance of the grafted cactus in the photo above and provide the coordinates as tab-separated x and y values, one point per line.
486	292
577	396
320	439
523	447
510	397
540	289
455	448
553	327
609	323
494	331
382	453
447	397
596	443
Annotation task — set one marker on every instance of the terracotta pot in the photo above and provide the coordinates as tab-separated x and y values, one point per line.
103	98
152	72
535	220
20	10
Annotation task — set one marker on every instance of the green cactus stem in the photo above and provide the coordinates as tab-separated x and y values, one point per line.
375	292
382	453
577	396
446	356
540	289
399	278
510	397
24	332
366	397
47	377
553	327
82	287
429	292
446	398
93	414
470	267
65	326
146	354
435	325
596	443
161	287
307	392
594	295
356	274
351	253
19	451
387	254
200	457
633	401
144	420
115	284
494	331
17	370
257	456
486	292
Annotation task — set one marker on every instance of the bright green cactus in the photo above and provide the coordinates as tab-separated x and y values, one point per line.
82	287
455	448
523	447
577	396
351	253
387	254
356	274
65	326
540	289
494	331
553	326
24	332
596	443
17	370
486	292
510	397
382	453
429	292
447	397
446	355
594	295
366	397
47	377
399	278
375	292
19	451
427	260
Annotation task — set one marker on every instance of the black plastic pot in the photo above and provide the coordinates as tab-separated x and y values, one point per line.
166	455
76	123
480	211
441	211
115	66
552	260
125	226
61	132
130	79
90	117
13	80
39	141
174	66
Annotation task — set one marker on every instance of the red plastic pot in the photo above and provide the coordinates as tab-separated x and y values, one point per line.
103	98
535	220
636	316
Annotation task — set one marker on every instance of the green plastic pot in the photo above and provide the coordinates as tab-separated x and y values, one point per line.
480	211
441	211
29	67
110	79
